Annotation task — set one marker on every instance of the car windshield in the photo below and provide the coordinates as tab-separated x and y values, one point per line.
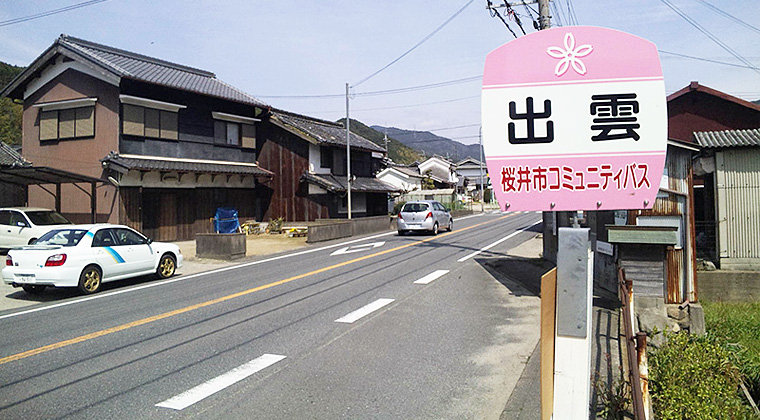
414	207
63	237
47	217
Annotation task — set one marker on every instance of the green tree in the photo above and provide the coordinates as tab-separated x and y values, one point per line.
10	112
427	181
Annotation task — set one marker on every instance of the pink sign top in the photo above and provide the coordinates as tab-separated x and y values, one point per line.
574	118
565	55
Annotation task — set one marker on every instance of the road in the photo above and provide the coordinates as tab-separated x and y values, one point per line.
381	327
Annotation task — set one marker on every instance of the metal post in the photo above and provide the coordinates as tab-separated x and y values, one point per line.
572	363
482	196
348	155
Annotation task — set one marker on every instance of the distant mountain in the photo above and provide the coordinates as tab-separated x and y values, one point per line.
397	151
432	144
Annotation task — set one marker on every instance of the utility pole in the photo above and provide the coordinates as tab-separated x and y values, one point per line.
544	19
482	197
348	155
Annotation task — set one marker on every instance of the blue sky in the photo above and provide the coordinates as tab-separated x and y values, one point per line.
281	51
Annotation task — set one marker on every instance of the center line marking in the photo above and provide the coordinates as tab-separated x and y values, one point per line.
364	311
432	276
154	318
219	383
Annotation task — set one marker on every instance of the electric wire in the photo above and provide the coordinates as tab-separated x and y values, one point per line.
558	16
493	12
430	35
50	12
706	60
378	92
571	12
707	33
730	16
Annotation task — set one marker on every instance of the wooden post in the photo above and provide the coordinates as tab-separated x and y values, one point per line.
548	314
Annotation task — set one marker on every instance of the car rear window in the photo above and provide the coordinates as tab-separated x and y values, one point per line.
414	207
63	237
44	218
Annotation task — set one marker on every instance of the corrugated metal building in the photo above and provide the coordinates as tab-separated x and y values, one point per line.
732	159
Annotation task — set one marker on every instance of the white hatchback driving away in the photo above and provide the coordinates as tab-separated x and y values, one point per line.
86	256
427	215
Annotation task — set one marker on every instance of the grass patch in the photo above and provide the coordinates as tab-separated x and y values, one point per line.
736	326
692	377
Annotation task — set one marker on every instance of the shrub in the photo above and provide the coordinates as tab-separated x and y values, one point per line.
692	377
737	326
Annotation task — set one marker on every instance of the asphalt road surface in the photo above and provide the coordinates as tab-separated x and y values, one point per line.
384	327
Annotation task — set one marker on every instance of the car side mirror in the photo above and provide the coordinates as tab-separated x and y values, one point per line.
21	224
149	241
448	209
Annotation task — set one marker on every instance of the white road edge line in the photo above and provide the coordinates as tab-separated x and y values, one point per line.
364	311
432	276
487	247
219	383
192	276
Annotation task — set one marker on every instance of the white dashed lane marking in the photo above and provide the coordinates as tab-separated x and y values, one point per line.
217	384
364	311
432	276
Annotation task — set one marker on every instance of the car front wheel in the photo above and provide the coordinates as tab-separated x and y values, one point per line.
90	280
451	225
166	266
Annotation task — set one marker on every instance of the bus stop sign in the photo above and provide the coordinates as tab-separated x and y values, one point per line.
574	118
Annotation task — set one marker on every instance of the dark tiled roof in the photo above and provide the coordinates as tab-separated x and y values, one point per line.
156	163
323	132
10	157
125	64
159	72
338	184
728	138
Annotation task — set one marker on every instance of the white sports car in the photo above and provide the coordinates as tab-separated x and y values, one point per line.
85	256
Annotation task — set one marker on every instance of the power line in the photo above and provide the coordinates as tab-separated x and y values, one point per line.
493	12
378	92
706	60
707	33
399	106
430	35
50	12
732	17
571	12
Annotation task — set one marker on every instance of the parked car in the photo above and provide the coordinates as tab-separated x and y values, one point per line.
86	256
23	225
426	215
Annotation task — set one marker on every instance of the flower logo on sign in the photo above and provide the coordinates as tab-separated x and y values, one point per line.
569	56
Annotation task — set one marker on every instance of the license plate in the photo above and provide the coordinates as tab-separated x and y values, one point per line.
26	278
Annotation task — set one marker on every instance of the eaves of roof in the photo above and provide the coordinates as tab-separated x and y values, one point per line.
123	163
696	87
337	184
728	138
11	158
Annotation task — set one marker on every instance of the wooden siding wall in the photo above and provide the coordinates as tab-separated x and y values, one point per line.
178	214
195	125
288	157
645	265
